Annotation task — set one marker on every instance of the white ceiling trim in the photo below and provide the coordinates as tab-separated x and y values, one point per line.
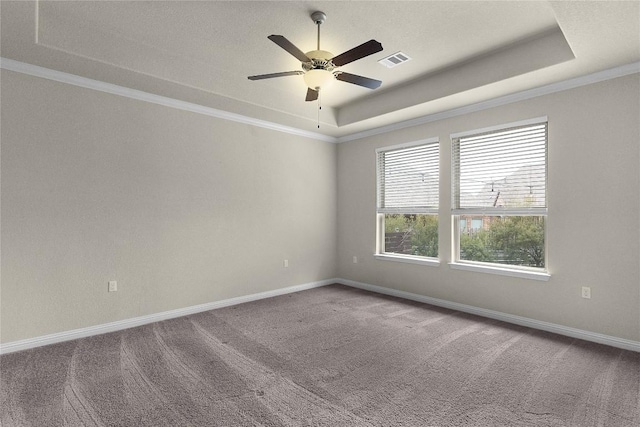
59	76
72	79
600	76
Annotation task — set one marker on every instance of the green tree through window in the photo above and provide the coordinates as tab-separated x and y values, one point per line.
516	240
412	234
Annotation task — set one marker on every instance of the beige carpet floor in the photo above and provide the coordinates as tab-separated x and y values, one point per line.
331	356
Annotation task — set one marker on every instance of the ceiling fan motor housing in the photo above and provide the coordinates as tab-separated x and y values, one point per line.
320	60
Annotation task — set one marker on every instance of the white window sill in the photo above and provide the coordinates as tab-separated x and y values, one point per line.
434	262
511	272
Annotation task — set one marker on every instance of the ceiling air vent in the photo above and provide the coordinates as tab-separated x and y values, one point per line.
394	60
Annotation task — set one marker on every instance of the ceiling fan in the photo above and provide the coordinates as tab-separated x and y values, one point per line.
319	67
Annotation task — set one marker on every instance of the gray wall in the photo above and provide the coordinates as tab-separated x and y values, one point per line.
593	223
181	209
184	209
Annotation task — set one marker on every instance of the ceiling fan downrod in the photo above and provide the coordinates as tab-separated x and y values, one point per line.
318	18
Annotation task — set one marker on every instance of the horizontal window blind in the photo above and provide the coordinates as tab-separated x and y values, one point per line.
500	171
408	179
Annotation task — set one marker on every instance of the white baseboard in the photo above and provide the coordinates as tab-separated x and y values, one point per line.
143	320
509	318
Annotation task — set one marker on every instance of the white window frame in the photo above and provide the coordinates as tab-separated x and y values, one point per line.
380	221
526	272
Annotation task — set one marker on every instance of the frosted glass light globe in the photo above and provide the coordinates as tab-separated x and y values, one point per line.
318	79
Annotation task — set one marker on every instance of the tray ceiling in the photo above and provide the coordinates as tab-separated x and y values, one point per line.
202	52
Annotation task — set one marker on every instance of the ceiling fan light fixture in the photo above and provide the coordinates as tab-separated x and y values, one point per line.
318	79
319	67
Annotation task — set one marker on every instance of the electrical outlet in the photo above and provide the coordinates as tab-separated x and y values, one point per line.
286	263
113	286
586	292
355	259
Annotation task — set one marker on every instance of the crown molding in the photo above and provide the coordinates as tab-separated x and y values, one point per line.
59	76
588	79
72	79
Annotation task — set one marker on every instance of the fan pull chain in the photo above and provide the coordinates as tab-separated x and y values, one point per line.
319	108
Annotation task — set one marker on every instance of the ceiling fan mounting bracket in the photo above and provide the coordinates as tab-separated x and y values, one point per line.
318	17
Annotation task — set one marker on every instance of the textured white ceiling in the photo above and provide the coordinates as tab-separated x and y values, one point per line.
202	52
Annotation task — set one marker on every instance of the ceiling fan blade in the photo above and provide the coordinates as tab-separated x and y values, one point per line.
272	75
358	52
289	47
312	95
359	80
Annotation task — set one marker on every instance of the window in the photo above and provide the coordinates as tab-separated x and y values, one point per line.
408	180
499	188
